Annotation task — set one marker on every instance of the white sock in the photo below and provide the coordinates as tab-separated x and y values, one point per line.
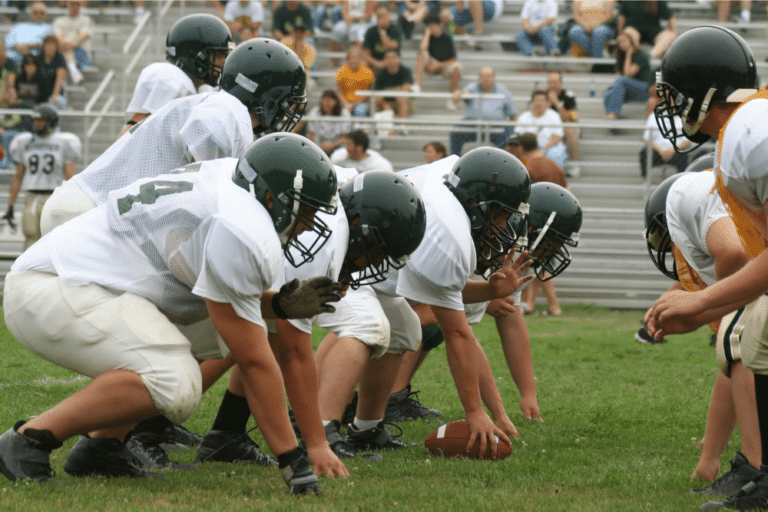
746	15
326	423
366	424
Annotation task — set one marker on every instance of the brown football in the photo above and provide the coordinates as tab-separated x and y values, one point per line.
450	440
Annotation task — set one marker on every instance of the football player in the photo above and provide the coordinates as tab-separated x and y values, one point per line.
116	294
687	223
42	158
707	76
261	82
195	49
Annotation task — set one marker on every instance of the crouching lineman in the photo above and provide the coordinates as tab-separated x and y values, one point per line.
113	295
381	221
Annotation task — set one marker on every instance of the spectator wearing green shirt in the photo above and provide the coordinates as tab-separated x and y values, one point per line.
394	77
634	74
379	38
646	18
287	16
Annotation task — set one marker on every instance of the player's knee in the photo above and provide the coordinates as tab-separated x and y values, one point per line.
177	394
431	337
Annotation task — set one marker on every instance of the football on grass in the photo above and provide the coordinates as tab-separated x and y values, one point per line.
450	440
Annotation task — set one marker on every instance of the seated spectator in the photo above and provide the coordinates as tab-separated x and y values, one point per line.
724	10
564	103
297	41
287	15
412	12
352	77
53	70
355	154
437	54
592	28
244	19
434	151
394	77
327	134
380	38
634	74
9	71
30	83
538	27
326	10
491	109
646	18
27	37
12	124
74	33
472	12
546	125
356	18
663	150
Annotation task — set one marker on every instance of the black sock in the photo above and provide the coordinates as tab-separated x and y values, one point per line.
155	424
233	414
761	396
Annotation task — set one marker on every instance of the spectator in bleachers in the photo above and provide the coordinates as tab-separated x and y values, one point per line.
538	18
475	13
513	147
547	125
327	134
355	154
437	54
564	103
29	83
326	10
592	28
412	12
646	18
394	77
53	70
27	37
352	77
297	41
502	109
663	150
381	37
356	18
634	78
12	124
9	71
244	19
724	10
287	15
434	151
74	33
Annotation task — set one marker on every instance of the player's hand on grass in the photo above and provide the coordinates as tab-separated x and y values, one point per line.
530	408
509	277
501	307
484	431
706	470
305	299
325	462
506	426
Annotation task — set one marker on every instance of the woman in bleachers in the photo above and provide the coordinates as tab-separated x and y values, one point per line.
592	28
329	135
633	66
29	83
53	69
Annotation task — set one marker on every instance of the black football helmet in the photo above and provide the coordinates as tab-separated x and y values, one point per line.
554	222
387	221
703	66
48	113
489	182
703	163
192	43
295	172
657	236
268	78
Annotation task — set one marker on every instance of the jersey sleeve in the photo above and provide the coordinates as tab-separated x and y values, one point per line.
154	90
72	147
18	145
213	130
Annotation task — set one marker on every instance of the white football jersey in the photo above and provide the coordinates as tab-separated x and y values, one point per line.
744	159
438	270
158	84
691	211
204	126
175	239
43	158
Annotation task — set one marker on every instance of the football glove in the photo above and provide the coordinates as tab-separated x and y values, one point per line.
305	299
299	476
8	217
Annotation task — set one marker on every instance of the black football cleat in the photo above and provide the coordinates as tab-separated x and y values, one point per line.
27	456
105	457
224	446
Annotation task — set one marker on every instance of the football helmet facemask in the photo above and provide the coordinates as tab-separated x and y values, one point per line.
268	78
192	44
489	182
47	113
704	66
657	236
554	222
387	221
299	177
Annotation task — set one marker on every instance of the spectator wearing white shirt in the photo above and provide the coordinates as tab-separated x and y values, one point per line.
27	37
74	33
244	18
538	27
547	126
355	154
663	150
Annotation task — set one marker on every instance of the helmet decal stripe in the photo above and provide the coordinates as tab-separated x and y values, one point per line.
246	83
543	232
298	181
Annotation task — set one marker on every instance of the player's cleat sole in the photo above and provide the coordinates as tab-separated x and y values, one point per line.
105	457
27	456
223	446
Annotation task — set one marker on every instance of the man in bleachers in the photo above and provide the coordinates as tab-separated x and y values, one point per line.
74	33
547	126
563	102
355	154
352	77
287	15
244	19
434	151
469	12
394	77
437	54
538	27
28	37
380	38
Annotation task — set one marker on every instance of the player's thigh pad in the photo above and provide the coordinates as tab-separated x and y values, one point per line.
754	336
205	340
728	345
359	315
404	324
91	330
67	202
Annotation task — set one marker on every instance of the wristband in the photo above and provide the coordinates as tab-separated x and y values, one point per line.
276	307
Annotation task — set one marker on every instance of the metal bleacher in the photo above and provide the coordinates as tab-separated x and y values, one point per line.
610	266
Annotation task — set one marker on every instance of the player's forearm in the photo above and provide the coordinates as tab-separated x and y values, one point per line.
516	346
476	291
737	290
489	392
462	360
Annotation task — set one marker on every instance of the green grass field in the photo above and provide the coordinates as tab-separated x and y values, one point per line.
621	425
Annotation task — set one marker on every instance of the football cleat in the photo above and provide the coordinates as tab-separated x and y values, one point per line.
341	447
28	455
376	438
741	474
752	496
404	405
223	446
105	457
147	446
175	437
